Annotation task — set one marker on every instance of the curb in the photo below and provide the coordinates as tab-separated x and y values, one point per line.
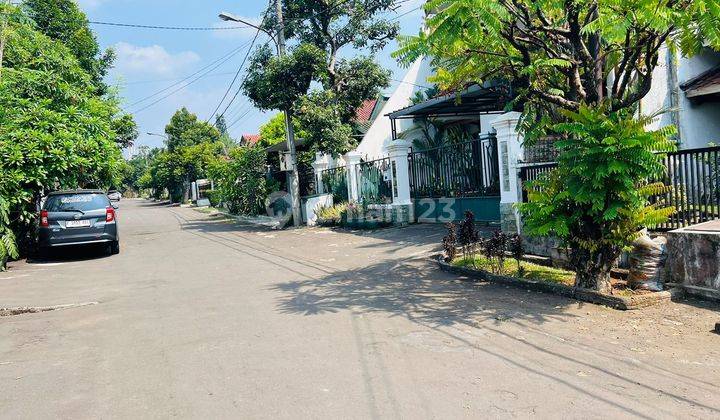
585	295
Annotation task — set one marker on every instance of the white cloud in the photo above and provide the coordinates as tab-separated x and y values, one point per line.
153	60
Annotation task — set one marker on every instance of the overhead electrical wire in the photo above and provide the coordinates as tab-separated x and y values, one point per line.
171	28
223	61
227	91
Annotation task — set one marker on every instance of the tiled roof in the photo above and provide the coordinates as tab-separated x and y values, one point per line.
250	138
707	83
366	109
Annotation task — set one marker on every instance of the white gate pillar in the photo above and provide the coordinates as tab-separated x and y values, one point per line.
510	153
322	162
400	171
352	159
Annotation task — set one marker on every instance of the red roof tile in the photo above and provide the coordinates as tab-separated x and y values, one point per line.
366	109
250	138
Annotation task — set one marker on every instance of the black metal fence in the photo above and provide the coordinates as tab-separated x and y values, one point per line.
532	173
375	181
334	182
307	181
693	174
468	169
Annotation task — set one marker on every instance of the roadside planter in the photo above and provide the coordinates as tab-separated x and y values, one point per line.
624	303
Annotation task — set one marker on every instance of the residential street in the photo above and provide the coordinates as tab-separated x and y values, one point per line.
199	317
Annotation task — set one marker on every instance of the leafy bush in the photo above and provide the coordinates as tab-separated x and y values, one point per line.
468	235
517	249
597	200
450	242
8	248
56	130
331	215
241	180
215	197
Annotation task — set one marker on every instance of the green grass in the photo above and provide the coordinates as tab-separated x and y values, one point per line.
531	271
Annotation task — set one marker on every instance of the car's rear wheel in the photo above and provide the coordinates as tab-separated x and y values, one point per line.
115	247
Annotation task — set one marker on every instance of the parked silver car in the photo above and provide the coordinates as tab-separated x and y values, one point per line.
78	217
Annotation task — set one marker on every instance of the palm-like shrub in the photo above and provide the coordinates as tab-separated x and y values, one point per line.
597	200
8	247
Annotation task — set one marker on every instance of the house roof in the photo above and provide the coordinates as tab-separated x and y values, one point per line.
707	83
364	113
250	138
473	100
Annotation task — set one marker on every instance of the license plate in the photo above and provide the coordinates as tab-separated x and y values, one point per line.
77	223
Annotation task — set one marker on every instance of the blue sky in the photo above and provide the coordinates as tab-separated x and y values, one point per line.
150	60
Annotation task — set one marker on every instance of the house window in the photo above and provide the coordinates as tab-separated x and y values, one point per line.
505	165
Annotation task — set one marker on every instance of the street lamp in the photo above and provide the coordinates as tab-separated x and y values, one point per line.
157	135
229	17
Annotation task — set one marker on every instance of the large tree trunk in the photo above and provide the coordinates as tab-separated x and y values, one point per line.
592	268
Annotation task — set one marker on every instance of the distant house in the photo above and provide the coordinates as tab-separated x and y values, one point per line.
366	115
249	139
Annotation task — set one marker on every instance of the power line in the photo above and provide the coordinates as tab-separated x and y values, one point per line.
257	32
139	82
224	57
171	28
187	84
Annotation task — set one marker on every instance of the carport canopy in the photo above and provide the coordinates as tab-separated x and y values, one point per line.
472	101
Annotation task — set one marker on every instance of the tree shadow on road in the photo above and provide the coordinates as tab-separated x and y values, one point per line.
445	304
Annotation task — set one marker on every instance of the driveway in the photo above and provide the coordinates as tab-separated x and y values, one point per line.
199	317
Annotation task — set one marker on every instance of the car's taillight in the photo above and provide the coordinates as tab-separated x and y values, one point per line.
109	214
44	222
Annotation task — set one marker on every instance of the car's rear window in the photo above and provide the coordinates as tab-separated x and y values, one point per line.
74	202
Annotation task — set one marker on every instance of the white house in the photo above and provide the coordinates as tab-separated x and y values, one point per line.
689	88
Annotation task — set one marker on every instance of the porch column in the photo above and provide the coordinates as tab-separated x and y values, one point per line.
322	162
352	159
400	172
510	153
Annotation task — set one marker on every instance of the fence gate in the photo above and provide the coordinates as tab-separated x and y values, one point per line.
445	181
374	181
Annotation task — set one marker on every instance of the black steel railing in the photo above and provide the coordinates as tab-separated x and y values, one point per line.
468	169
375	181
692	174
307	181
334	182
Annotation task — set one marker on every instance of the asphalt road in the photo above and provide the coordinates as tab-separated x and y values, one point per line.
202	318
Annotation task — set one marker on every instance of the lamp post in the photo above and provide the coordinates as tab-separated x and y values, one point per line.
157	135
289	129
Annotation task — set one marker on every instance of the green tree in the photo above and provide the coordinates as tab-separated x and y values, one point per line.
578	69
273	131
241	180
185	129
62	20
321	30
126	131
55	130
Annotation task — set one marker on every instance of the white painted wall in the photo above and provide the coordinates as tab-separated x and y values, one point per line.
378	137
699	123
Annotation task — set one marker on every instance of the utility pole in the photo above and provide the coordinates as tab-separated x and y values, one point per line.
294	181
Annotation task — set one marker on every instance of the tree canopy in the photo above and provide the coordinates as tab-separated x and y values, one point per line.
559	54
185	129
320	29
63	21
55	130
